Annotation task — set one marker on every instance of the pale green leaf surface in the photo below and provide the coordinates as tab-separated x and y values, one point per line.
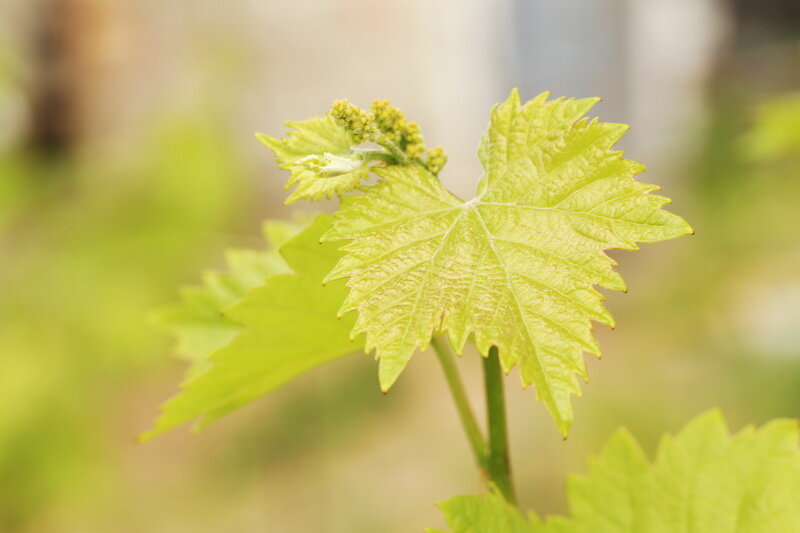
486	513
702	480
515	266
197	321
290	327
315	137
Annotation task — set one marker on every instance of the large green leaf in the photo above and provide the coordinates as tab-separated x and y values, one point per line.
289	327
702	480
516	265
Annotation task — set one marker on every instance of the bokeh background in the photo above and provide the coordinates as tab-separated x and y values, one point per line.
128	164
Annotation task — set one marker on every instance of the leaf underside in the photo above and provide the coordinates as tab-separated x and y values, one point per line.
702	480
516	266
288	326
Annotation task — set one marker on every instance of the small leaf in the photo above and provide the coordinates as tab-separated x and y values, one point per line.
289	327
516	266
318	154
486	513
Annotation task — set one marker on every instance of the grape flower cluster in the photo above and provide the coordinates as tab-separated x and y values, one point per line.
387	126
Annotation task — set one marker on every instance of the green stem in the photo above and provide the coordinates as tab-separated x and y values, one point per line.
497	464
476	440
377	155
401	158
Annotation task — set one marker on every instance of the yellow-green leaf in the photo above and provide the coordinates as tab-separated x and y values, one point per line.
701	480
317	152
197	321
487	513
289	327
515	266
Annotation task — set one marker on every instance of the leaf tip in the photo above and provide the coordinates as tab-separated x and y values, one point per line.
266	140
513	97
564	426
293	197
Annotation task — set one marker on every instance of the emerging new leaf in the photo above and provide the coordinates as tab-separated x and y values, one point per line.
516	265
701	480
319	157
274	345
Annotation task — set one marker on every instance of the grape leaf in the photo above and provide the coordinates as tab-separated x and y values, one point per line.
516	265
701	480
290	327
315	145
486	513
197	321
